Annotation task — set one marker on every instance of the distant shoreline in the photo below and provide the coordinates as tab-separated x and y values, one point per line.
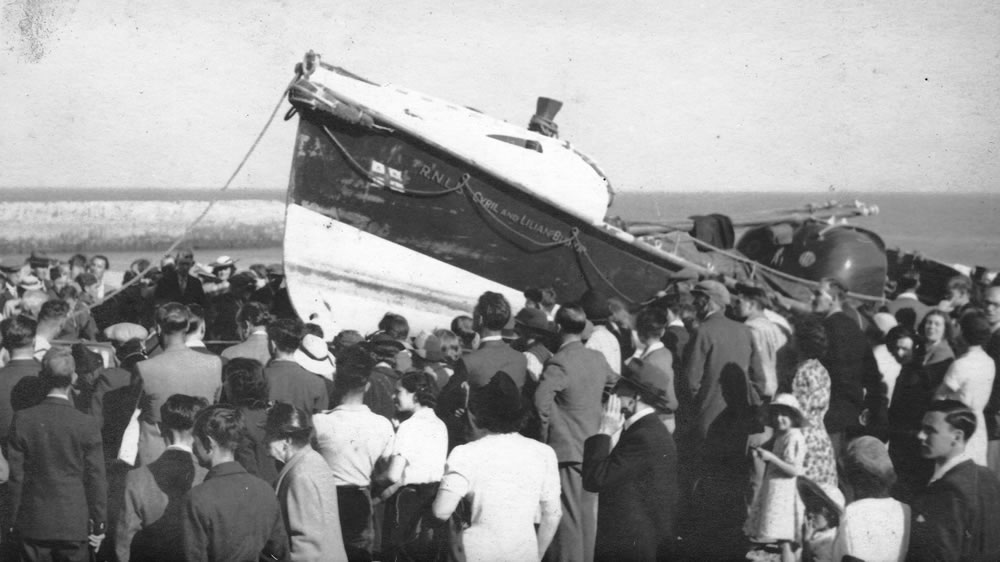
77	194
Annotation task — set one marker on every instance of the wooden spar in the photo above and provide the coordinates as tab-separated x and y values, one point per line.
794	216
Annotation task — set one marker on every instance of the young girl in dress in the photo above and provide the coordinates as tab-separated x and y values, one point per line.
777	513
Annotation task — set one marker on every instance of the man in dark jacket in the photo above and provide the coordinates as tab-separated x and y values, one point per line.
179	285
637	479
232	515
58	488
856	383
957	515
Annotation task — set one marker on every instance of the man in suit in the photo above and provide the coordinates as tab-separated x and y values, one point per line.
724	378
58	489
97	267
178	370
723	383
491	314
636	479
232	515
568	400
18	334
179	285
906	307
957	515
252	320
991	307
855	382
288	381
475	369
147	527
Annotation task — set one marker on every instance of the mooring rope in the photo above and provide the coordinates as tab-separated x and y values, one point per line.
208	207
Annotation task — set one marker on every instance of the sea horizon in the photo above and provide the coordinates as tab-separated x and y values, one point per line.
951	227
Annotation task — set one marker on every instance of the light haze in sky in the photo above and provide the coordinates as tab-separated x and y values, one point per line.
889	95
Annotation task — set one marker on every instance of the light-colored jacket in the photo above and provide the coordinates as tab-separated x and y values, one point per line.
307	493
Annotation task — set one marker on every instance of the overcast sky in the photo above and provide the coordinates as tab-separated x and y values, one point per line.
670	96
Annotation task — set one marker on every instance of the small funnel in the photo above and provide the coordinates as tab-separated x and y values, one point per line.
542	121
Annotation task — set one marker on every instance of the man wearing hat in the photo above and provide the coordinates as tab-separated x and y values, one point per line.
534	333
11	277
724	381
568	400
595	306
58	487
722	364
637	479
383	377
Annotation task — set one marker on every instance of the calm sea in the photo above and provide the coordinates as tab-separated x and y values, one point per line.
953	228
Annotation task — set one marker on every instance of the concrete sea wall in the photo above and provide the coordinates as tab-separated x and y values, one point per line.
71	226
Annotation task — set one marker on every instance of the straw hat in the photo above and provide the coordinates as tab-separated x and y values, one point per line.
788	403
314	356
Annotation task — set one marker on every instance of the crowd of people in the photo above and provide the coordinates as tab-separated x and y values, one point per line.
191	415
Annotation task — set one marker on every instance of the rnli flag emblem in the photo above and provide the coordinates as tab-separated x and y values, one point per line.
384	176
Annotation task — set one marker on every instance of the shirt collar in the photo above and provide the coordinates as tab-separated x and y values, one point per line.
490	338
55	394
645	411
643	352
907	295
677	322
180	447
940	471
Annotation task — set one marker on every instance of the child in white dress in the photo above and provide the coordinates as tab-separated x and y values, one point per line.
777	513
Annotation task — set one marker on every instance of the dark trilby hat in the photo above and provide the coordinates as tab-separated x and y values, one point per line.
648	380
534	319
382	344
595	305
39	259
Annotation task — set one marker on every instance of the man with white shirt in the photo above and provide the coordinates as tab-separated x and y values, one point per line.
352	439
595	306
768	338
98	266
956	516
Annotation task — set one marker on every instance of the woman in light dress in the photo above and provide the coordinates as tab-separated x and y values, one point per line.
506	479
970	380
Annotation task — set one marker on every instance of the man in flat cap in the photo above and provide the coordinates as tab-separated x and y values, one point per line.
724	381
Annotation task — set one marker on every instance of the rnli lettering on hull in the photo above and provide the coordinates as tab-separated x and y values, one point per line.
493	207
